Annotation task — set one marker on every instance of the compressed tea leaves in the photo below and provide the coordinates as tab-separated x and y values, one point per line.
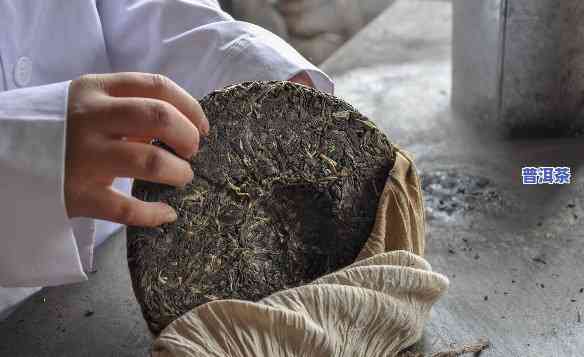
285	190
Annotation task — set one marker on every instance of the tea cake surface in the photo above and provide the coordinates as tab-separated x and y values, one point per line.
285	190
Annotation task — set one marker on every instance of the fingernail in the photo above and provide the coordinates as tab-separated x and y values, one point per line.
171	215
206	129
190	178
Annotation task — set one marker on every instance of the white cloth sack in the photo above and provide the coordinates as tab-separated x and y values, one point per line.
374	307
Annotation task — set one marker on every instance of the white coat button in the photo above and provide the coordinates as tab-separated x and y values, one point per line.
22	71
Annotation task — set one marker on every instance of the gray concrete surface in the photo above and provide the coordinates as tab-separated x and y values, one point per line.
99	317
513	252
520	247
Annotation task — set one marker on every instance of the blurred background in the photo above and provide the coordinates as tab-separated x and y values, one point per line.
316	28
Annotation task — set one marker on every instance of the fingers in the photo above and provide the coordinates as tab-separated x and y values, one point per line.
110	119
111	205
148	119
156	86
144	161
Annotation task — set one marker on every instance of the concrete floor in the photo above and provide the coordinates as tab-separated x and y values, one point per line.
99	317
513	253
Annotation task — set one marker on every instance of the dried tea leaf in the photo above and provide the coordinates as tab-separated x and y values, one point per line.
284	192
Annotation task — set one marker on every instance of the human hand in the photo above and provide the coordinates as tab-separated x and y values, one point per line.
111	120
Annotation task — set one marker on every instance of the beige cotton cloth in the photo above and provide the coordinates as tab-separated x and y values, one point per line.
374	307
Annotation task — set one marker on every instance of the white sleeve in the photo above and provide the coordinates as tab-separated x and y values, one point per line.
37	241
197	45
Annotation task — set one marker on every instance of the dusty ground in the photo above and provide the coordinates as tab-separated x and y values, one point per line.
513	253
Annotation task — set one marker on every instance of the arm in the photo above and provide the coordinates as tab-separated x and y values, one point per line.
195	43
198	46
38	246
62	145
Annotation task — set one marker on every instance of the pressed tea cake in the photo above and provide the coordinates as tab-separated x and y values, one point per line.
285	190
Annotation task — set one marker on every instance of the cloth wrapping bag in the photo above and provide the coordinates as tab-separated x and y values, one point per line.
375	307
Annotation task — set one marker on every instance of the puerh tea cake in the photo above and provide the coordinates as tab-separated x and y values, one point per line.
285	190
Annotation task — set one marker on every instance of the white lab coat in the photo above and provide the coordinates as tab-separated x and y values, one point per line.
44	45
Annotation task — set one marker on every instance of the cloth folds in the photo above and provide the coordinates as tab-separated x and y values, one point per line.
375	307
